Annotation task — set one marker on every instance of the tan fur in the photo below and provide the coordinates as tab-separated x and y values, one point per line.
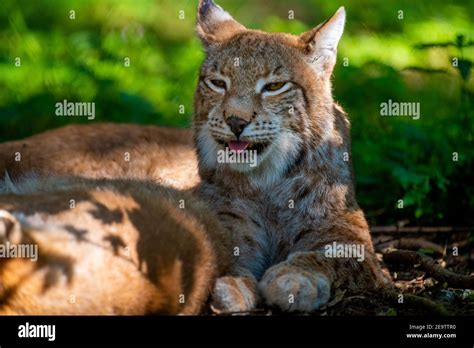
164	155
300	197
125	248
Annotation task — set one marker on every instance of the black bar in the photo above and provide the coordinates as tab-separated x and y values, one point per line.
289	330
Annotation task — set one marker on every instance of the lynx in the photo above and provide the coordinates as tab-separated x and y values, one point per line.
106	247
164	155
295	230
270	93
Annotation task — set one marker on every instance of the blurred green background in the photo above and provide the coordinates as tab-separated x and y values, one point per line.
403	56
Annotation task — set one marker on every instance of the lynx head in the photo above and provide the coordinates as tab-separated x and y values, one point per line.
269	93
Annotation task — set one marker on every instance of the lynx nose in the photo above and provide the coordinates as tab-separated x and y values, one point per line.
236	124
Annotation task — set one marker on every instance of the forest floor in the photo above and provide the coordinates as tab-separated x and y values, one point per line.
433	274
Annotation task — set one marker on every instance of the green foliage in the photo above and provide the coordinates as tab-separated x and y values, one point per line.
405	60
426	251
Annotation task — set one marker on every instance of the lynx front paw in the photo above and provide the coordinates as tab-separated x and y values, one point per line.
294	289
10	229
234	294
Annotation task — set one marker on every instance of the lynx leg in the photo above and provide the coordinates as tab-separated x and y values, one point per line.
304	281
235	293
295	288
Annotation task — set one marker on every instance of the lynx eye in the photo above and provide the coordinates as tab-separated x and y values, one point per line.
273	87
218	83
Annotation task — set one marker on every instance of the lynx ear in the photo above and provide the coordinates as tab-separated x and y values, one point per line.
214	25
321	42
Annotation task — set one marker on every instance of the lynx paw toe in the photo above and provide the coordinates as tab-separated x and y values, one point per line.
294	290
233	294
9	228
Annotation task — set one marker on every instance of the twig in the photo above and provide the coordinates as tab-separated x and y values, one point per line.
431	268
411	244
422	229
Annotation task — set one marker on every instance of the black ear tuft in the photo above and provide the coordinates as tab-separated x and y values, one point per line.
215	25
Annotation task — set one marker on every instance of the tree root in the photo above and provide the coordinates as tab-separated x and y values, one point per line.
430	266
411	244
